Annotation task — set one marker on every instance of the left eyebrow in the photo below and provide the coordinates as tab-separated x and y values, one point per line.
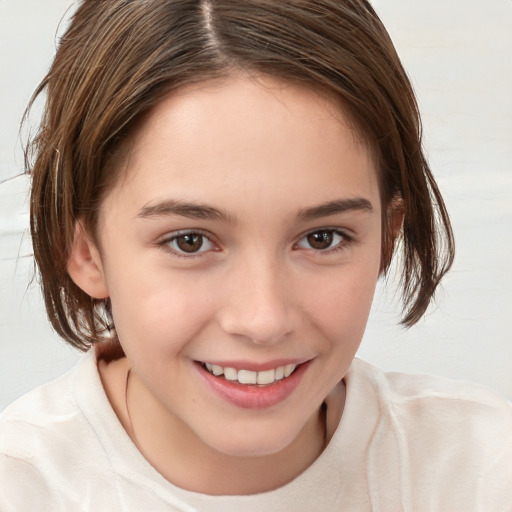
334	208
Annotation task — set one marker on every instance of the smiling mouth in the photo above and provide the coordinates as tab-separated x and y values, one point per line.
248	377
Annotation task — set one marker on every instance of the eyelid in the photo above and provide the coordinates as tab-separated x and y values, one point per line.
166	240
347	239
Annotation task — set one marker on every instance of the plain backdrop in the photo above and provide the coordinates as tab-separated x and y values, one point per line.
459	56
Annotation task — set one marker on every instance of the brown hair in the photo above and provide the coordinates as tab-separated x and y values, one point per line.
120	57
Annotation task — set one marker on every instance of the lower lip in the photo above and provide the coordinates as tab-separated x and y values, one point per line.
254	396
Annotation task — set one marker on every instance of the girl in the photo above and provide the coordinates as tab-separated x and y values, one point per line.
217	187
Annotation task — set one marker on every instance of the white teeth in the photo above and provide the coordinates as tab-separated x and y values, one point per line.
216	370
288	369
230	374
266	377
249	377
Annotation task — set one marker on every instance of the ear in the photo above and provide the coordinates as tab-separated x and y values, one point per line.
396	215
85	266
394	222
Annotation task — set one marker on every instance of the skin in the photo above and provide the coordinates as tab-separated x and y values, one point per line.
261	152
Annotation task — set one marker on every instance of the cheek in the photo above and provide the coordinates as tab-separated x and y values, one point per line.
341	302
156	312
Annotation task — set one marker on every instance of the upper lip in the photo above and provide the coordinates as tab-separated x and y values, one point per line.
254	366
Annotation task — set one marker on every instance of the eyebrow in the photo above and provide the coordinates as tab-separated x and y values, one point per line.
334	208
184	209
190	210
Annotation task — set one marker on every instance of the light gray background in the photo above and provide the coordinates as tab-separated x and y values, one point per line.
459	56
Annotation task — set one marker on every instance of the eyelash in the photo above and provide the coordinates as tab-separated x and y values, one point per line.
166	243
341	245
345	241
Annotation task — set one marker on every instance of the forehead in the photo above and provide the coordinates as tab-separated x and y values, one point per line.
246	137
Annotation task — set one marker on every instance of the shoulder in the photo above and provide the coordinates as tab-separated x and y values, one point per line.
40	408
45	436
415	393
32	425
50	405
451	439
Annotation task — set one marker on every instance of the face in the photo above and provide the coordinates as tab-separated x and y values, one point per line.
242	243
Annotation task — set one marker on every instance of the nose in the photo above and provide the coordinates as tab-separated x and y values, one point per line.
258	302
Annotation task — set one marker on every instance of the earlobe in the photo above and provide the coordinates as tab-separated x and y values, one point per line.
395	220
85	266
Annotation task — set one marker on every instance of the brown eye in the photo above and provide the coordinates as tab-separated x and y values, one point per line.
190	243
320	240
323	240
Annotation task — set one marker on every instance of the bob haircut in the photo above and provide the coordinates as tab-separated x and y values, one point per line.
119	58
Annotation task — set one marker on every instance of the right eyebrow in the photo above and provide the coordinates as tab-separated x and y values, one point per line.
190	210
336	207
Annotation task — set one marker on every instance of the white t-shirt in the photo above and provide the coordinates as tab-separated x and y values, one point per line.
404	443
